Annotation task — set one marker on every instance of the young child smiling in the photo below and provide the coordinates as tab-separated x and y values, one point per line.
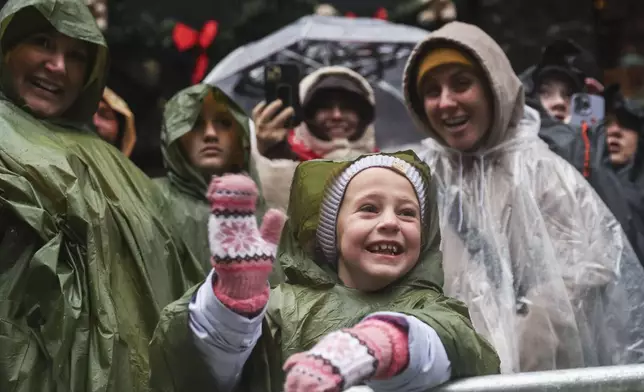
361	301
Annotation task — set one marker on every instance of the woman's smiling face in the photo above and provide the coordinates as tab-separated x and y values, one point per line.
48	72
456	105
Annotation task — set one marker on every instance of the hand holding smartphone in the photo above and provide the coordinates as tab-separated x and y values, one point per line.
586	108
279	112
282	82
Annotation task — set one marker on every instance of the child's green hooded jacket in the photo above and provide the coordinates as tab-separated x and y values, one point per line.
312	302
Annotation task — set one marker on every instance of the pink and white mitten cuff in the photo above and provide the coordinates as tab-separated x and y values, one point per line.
372	349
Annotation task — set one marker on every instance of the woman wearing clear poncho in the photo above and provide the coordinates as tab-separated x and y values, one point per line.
87	262
204	134
544	267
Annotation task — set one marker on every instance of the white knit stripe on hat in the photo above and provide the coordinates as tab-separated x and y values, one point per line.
326	232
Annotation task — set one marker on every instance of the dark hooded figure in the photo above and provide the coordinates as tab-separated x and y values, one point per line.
619	158
556	78
623	128
565	69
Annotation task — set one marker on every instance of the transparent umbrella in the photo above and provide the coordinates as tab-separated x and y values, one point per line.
376	49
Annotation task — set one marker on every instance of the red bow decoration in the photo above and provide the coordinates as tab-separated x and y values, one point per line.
185	37
381	13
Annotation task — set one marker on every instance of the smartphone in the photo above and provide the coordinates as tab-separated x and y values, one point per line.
586	108
282	81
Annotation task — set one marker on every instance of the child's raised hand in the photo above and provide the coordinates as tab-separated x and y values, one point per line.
374	348
242	255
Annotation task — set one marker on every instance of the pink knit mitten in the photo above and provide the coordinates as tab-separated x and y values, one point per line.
242	255
374	348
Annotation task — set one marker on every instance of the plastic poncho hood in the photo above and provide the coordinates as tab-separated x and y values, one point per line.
87	260
73	19
544	267
312	302
507	90
185	187
180	117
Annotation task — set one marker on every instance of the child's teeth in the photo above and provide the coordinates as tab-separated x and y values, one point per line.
385	248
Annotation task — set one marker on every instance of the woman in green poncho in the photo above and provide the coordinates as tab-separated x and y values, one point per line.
87	263
361	302
205	134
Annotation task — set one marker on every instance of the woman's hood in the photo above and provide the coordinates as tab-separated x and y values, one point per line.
365	144
71	18
298	255
315	77
180	116
506	88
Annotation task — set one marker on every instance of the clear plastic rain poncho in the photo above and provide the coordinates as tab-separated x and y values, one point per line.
544	267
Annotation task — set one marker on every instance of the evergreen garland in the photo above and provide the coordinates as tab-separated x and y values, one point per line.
256	19
140	29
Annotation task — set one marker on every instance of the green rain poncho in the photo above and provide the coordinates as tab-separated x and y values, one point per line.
185	187
86	261
312	303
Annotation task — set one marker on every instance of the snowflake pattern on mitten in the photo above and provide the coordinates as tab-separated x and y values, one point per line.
242	254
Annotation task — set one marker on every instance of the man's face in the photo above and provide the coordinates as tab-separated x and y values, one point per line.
48	72
555	93
106	122
337	116
214	146
622	143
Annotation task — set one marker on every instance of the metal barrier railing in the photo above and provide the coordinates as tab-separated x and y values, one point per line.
628	378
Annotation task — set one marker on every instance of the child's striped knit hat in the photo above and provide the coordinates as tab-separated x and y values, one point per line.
326	232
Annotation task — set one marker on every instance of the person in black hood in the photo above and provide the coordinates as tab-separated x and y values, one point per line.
624	124
564	69
555	80
619	159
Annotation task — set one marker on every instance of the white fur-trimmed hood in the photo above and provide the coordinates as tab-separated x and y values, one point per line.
365	144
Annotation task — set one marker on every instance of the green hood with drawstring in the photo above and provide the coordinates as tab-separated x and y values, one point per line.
87	260
312	302
185	187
